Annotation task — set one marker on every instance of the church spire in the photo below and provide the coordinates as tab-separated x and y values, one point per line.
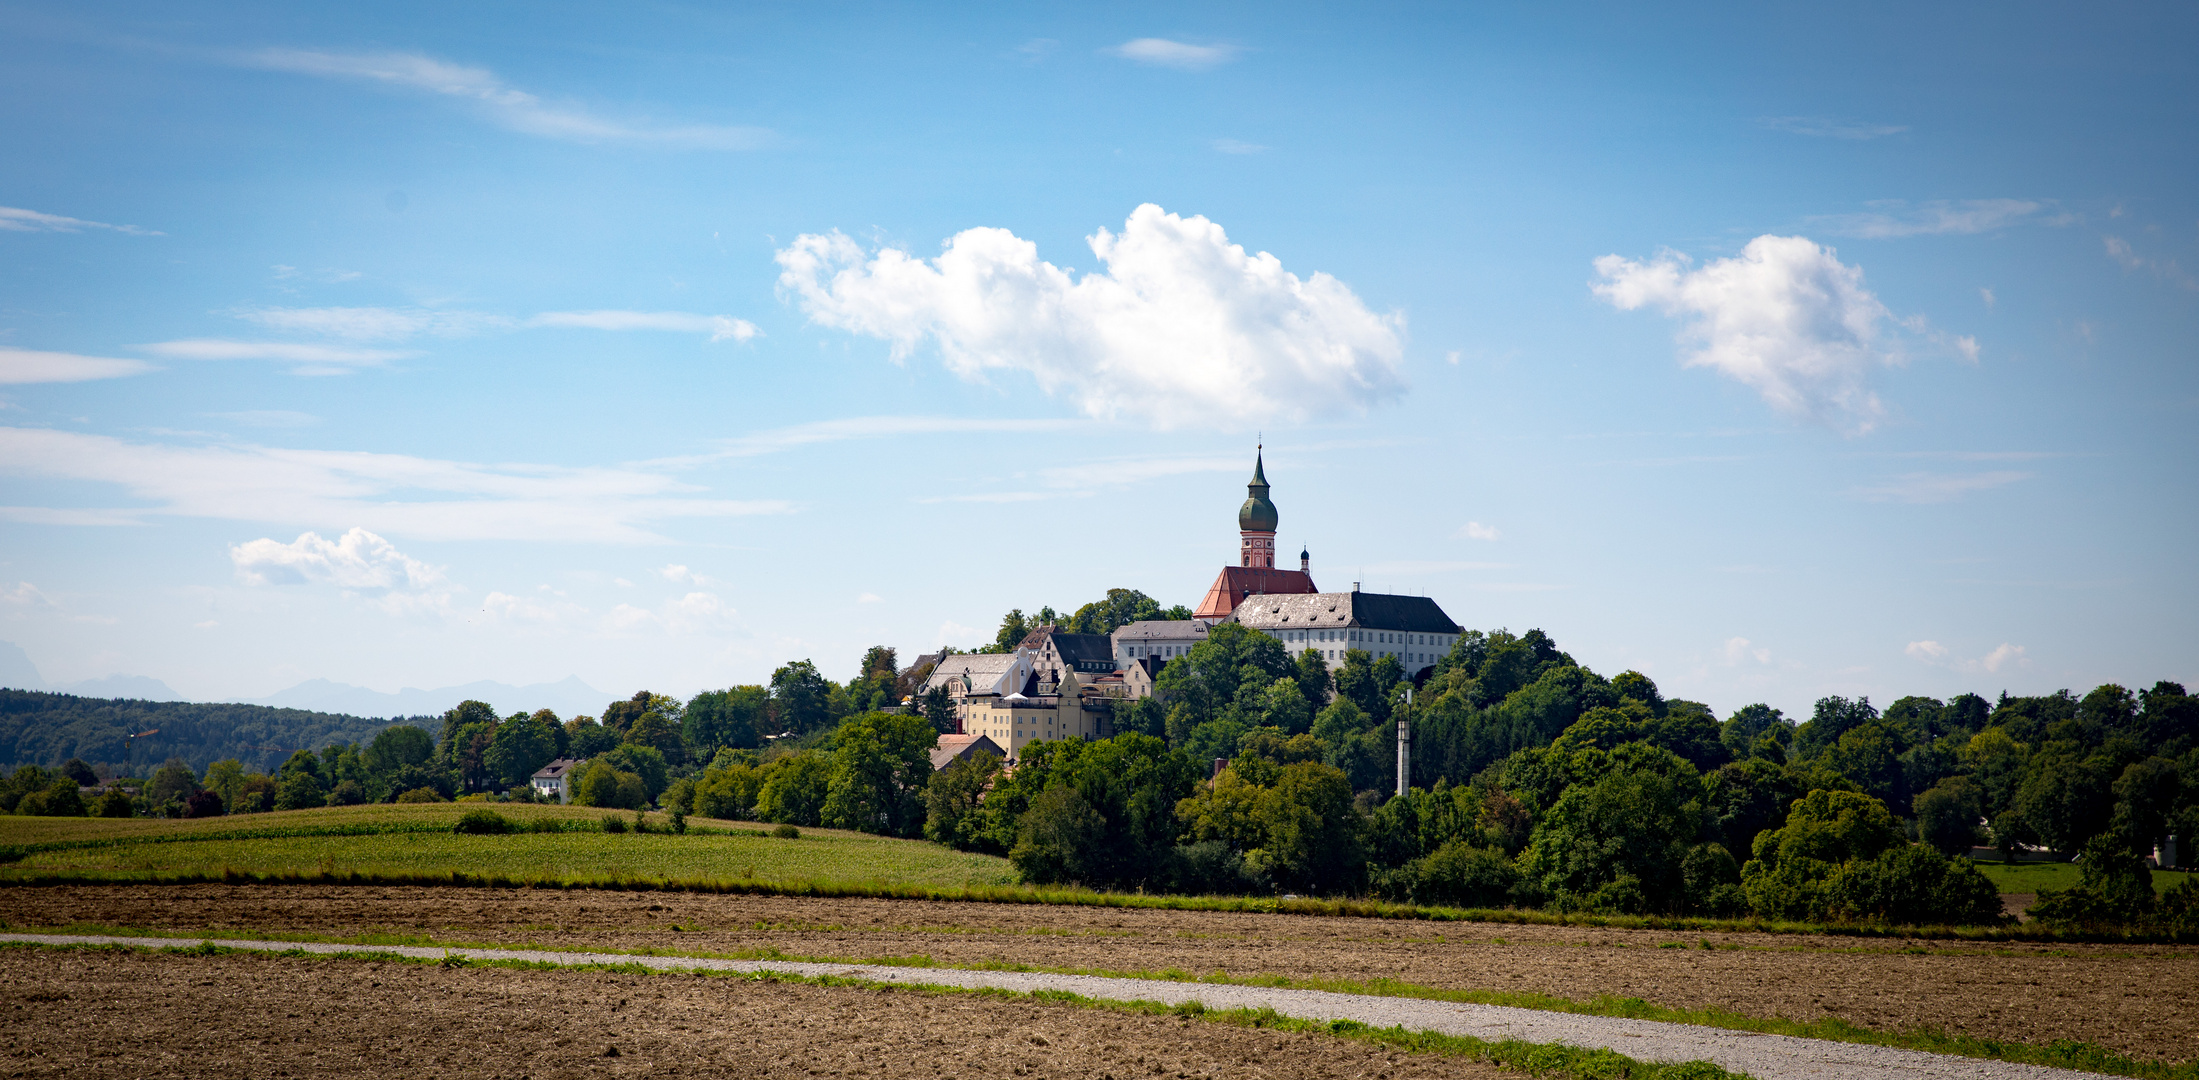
1256	519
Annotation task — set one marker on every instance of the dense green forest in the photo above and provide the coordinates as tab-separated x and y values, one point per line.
48	729
1536	781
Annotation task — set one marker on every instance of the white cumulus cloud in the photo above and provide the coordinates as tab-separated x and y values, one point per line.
1183	56
356	560
1475	530
505	105
2005	655
1926	650
1785	317
1182	327
21	366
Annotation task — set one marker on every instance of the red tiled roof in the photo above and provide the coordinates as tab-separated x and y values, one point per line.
1238	582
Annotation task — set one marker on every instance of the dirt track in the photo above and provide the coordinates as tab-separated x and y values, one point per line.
2142	1001
136	1014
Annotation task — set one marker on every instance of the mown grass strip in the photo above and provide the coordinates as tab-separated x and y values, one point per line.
2064	1054
1556	1060
1025	894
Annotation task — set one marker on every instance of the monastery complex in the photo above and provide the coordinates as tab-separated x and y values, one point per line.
1057	685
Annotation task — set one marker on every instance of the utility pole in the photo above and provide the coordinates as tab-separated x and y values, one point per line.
1405	744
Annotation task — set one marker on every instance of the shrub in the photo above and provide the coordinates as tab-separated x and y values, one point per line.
1212	866
482	823
203	804
116	804
1458	873
1913	884
347	793
421	795
2113	887
612	823
58	799
299	790
787	832
794	792
547	825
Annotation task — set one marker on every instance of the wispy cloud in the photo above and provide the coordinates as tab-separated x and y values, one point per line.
2120	250
310	359
1037	49
2004	656
23	594
1474	530
1431	566
1183	56
1124	471
1893	218
1740	650
776	440
389	494
1827	127
719	327
989	497
1925	487
1234	146
17	219
502	104
401	324
21	366
268	418
374	323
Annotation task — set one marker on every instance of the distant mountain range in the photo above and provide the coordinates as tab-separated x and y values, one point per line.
568	697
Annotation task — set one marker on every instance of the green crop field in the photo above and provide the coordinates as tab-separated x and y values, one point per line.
2030	877
414	842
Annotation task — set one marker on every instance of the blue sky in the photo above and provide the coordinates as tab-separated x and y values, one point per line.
1773	351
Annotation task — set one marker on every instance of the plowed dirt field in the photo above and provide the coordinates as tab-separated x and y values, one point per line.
2141	1000
149	1015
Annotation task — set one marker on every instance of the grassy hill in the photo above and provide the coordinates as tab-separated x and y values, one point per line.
415	842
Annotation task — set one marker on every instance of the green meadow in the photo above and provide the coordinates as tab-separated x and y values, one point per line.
416	842
2030	877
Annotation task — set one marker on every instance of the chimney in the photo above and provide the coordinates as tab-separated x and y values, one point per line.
1405	746
1355	586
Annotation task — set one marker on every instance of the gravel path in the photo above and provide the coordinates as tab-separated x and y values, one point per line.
1766	1057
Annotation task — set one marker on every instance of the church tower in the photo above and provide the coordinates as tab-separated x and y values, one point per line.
1255	573
1256	519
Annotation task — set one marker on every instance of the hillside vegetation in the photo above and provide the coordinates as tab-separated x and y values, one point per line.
48	729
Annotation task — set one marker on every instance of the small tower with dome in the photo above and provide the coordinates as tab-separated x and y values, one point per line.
1256	519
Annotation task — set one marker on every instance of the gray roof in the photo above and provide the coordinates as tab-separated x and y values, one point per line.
975	665
1327	611
1157	629
1085	652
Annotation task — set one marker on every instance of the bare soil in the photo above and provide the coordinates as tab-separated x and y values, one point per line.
2141	1000
151	1015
